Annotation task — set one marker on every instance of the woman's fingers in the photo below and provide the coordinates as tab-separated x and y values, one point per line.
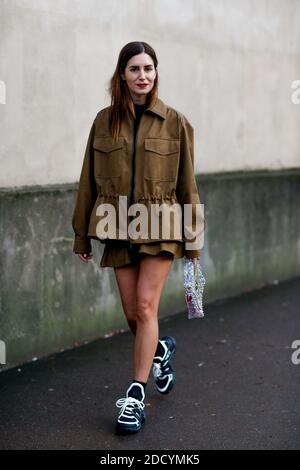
85	257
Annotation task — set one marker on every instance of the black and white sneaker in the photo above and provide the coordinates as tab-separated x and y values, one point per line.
131	416
162	370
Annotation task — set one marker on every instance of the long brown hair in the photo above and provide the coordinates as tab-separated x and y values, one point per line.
121	102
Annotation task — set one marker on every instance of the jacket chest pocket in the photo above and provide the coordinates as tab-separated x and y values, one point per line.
108	157
161	159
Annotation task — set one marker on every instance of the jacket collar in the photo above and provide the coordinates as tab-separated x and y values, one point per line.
158	108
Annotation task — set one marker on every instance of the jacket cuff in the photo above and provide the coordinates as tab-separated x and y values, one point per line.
82	245
192	253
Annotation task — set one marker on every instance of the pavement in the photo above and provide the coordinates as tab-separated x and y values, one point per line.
236	385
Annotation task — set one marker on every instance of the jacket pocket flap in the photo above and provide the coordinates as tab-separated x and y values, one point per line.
162	146
106	144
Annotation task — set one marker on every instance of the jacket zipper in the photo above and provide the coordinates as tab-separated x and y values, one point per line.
133	157
133	154
132	166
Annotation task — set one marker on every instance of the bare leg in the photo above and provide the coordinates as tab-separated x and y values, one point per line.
127	277
152	275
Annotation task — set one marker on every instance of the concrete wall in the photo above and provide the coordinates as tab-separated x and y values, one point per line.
228	65
50	300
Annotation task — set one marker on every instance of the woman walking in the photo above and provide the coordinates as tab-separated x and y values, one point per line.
140	148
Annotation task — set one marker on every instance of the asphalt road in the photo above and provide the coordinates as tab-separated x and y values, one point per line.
236	386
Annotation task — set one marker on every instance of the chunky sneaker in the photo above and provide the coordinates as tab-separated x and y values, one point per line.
131	416
162	370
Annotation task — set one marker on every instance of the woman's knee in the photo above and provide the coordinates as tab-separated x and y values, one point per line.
145	309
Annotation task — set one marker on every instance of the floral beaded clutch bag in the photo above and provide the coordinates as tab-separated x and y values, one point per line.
194	281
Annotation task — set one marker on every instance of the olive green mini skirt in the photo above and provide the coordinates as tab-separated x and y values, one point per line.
119	253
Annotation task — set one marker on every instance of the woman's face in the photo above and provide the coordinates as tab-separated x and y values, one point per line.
139	70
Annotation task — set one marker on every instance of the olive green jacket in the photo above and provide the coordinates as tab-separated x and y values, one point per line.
162	171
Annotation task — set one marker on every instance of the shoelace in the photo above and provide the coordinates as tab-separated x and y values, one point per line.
159	369
129	402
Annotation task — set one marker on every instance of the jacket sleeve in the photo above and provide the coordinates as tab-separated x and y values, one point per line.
186	189
86	197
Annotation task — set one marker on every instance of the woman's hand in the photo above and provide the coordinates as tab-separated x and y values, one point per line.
85	257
